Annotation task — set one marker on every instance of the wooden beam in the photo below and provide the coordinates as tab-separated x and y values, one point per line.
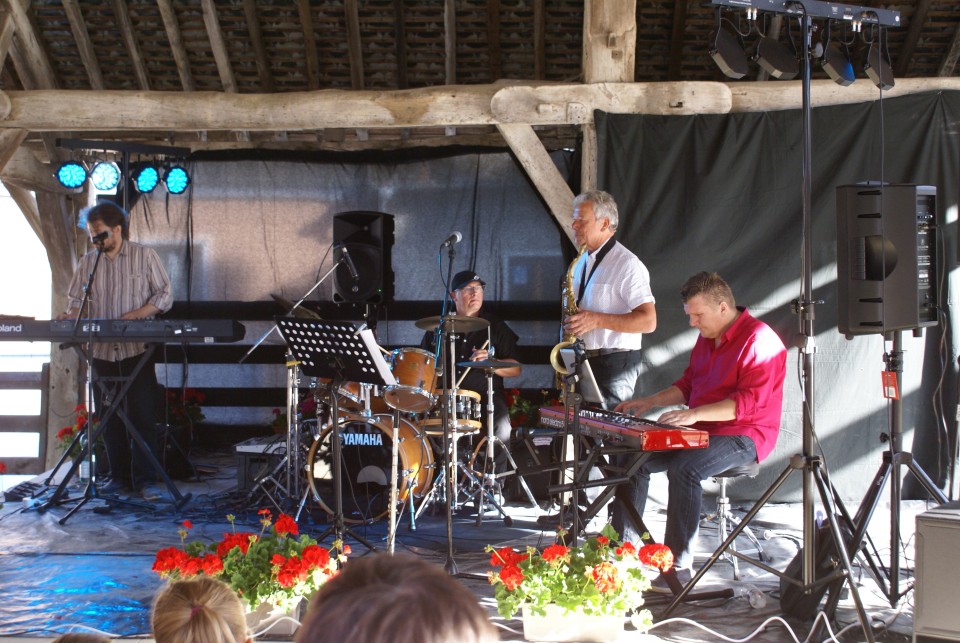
450	41
6	37
10	141
539	40
28	206
493	39
442	106
32	62
174	36
25	171
259	51
219	46
133	47
354	46
400	38
309	45
905	54
609	40
676	39
87	55
950	58
542	171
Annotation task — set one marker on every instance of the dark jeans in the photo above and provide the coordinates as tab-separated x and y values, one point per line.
128	463
685	471
617	375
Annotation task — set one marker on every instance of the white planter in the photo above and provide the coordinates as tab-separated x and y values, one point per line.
557	624
268	620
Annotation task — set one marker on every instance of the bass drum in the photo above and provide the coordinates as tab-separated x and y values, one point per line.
365	464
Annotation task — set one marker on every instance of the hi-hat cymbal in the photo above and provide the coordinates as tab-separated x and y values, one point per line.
453	323
488	363
299	313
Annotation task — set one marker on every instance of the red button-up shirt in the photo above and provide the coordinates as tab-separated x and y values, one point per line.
748	367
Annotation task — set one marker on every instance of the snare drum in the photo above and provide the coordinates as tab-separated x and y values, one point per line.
416	373
467	404
352	394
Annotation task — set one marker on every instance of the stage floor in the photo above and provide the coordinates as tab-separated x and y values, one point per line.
93	571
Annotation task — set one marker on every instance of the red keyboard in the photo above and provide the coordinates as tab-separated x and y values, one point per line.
618	429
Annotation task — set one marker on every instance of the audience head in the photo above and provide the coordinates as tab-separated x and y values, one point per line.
199	610
383	598
81	637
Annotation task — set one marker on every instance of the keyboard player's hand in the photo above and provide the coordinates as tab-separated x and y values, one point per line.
679	417
638	406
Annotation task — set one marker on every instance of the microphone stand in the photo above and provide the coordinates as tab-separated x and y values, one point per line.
444	353
292	308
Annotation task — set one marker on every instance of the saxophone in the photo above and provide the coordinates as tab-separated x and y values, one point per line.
568	307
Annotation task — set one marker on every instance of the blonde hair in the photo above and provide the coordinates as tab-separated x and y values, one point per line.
199	610
383	598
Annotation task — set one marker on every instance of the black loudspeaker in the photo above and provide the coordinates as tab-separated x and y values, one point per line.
368	238
886	258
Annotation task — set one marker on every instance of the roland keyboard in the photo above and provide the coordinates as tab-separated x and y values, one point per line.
616	429
121	330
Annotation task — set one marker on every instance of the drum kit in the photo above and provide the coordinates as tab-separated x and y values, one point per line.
397	440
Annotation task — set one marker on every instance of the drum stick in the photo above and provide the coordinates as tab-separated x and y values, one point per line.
467	370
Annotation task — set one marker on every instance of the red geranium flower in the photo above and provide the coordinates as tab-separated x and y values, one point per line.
506	556
605	577
286	525
511	577
656	555
555	552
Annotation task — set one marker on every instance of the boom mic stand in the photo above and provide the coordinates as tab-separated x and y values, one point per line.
809	464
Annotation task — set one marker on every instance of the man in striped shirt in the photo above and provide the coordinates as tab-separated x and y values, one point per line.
129	283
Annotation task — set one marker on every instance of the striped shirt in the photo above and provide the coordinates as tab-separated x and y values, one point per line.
136	277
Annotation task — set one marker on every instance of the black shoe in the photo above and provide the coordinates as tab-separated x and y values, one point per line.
659	584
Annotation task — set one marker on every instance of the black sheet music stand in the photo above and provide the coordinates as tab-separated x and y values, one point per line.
338	351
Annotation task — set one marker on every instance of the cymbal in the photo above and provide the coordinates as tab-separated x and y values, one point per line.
299	313
453	323
492	364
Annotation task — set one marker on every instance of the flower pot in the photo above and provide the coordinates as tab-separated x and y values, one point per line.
268	620
558	624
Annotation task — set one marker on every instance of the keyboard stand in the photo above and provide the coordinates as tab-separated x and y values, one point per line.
114	407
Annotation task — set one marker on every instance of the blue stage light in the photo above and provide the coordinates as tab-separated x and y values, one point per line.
146	179
176	179
105	176
71	175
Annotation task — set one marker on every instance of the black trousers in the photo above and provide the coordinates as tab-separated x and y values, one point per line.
128	463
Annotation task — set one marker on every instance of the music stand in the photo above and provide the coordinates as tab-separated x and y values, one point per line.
339	351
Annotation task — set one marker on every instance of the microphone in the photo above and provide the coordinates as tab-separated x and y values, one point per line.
452	240
345	256
97	239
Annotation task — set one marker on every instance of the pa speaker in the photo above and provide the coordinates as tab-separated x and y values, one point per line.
368	238
886	258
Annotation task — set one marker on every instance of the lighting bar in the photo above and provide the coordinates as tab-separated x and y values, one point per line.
818	9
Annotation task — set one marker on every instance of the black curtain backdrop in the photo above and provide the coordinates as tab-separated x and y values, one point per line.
723	193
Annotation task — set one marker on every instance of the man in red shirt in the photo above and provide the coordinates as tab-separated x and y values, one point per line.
732	388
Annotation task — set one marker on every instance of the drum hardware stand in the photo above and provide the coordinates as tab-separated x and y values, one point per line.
810	465
319	346
888	577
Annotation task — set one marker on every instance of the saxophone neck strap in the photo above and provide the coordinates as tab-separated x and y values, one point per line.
584	277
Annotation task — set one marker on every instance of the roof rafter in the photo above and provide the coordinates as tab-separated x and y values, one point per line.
219	46
133	48
175	38
259	51
87	54
309	45
353	44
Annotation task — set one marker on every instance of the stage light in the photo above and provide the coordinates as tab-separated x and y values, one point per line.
105	176
777	59
146	179
836	62
877	68
726	51
176	179
71	175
